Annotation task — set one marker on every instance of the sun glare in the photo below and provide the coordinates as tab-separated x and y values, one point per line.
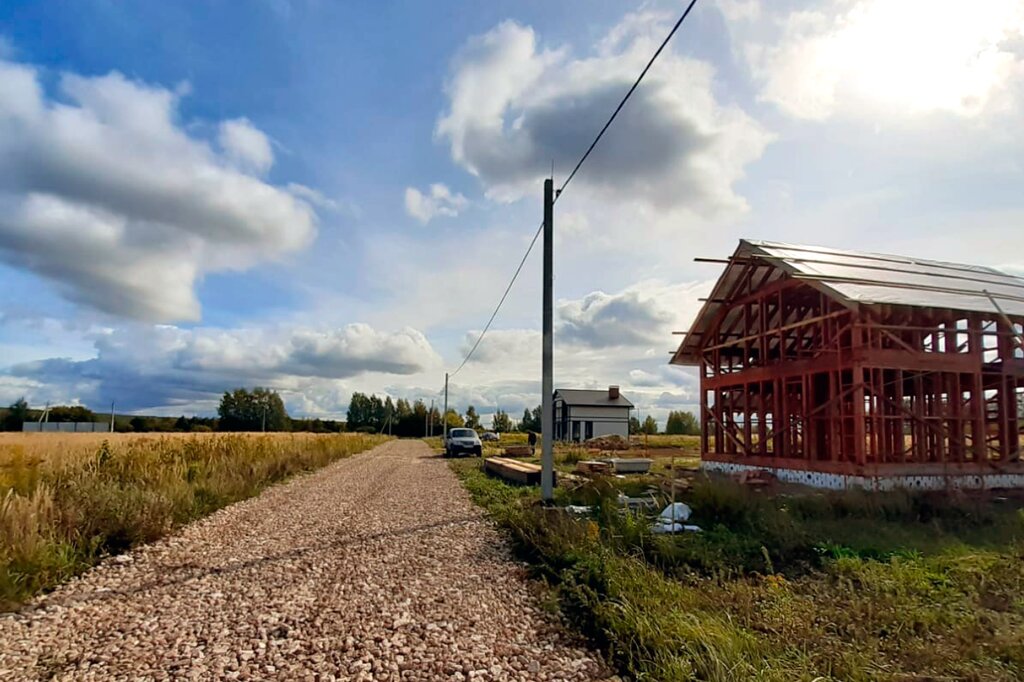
917	55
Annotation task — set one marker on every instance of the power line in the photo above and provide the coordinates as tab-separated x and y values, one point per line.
565	184
626	98
499	306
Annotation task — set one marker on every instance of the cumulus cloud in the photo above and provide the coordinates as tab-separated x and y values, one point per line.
901	57
104	193
437	201
166	367
515	107
644	313
245	145
501	345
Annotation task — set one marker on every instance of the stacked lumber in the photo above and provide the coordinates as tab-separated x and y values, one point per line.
513	470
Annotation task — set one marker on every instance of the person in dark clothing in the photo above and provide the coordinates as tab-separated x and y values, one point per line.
532	439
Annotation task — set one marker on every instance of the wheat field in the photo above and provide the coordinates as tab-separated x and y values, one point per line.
67	500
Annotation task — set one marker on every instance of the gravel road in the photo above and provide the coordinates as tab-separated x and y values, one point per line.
377	567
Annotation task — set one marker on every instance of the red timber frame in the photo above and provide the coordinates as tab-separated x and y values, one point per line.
792	377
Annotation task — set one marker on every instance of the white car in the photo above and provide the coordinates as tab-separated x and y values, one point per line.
463	442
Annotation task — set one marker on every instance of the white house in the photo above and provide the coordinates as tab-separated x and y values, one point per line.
581	414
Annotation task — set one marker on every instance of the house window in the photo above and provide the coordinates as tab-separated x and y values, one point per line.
590	431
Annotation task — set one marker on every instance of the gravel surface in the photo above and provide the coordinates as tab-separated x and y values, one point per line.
378	567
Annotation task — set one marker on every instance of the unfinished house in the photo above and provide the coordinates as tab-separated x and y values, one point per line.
836	369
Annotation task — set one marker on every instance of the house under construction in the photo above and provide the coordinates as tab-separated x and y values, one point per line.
836	368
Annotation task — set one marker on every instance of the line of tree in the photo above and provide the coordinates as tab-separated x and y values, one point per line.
372	414
649	426
679	422
244	410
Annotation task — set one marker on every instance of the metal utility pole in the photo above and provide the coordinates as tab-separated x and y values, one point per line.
444	417
547	415
111	416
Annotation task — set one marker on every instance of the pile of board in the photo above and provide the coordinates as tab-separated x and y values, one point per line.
513	470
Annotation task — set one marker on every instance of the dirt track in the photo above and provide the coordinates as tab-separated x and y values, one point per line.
376	568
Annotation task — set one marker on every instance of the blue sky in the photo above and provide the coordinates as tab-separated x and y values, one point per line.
327	197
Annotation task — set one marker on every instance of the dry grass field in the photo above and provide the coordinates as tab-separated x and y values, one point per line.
66	500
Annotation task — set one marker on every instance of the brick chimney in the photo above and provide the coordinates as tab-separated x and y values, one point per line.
613	393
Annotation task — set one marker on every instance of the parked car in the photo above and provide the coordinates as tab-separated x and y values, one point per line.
490	435
463	442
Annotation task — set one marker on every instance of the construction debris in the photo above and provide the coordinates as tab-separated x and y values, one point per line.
630	465
661	526
593	467
612	442
669	519
637	503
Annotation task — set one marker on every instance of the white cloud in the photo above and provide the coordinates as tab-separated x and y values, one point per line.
245	145
620	338
167	368
515	108
644	313
740	10
901	57
103	193
438	201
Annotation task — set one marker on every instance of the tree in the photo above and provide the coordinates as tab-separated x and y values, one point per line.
71	413
360	412
634	426
17	414
531	420
140	424
682	423
501	423
256	410
650	426
472	418
454	419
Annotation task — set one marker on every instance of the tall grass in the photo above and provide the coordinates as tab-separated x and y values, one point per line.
809	587
68	500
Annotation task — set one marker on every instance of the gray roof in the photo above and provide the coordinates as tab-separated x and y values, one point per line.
855	277
896	280
597	397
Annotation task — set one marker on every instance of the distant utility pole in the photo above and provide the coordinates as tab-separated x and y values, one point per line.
111	416
547	417
264	426
444	418
430	415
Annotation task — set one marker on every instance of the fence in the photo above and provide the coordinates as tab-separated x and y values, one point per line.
66	427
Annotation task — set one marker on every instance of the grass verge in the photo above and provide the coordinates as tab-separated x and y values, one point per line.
66	501
811	587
